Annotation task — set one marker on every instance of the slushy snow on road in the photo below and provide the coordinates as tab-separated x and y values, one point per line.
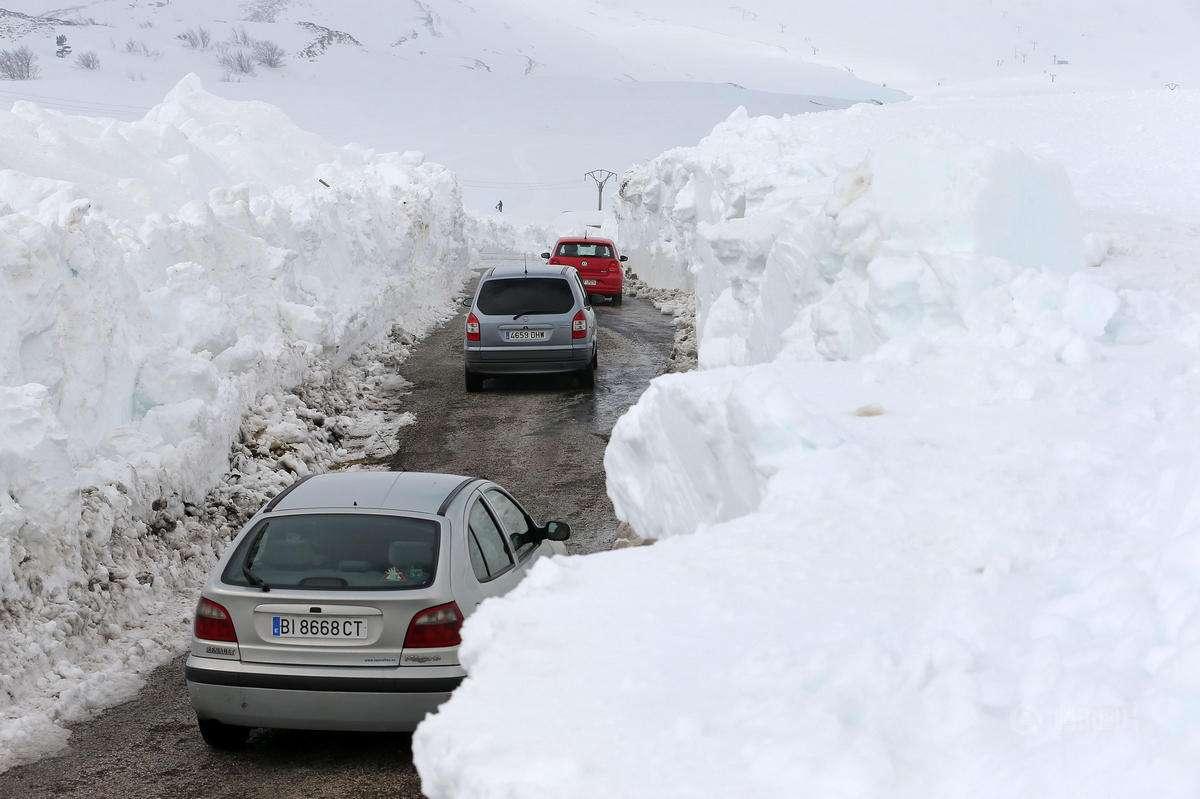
928	515
157	279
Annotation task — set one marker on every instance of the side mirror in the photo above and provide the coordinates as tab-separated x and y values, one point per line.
546	255
624	258
557	531
468	301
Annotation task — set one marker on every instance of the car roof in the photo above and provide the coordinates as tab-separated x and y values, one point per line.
536	270
418	492
585	240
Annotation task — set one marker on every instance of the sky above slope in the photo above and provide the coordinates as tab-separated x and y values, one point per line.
521	97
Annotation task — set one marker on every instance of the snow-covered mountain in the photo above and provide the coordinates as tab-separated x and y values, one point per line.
520	97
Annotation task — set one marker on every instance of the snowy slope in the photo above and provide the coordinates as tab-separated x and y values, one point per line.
156	279
927	518
520	99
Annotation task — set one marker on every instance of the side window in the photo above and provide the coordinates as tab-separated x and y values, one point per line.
511	518
487	535
477	564
582	291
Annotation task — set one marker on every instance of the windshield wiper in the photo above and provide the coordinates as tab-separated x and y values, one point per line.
251	577
523	313
254	579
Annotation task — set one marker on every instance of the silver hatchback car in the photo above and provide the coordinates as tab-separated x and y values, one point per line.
530	320
339	604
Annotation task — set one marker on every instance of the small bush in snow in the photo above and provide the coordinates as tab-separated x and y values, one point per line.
197	38
137	47
19	64
236	61
87	60
239	38
269	54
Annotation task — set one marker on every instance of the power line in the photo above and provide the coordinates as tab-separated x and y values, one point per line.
97	104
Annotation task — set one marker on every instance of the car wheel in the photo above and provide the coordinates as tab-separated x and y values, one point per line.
617	300
474	382
223	736
587	378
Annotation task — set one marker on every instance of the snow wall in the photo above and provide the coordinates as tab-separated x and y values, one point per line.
927	514
155	278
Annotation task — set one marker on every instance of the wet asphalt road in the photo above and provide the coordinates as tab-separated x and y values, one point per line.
543	438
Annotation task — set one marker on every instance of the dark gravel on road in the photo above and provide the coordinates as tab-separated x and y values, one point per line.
544	438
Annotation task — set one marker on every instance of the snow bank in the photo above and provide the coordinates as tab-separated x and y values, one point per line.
156	277
927	514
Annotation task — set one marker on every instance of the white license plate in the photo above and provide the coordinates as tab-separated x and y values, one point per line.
527	335
590	282
349	628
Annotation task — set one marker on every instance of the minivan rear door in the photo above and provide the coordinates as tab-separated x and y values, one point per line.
525	313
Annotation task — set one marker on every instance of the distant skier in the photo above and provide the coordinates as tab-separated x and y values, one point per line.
500	206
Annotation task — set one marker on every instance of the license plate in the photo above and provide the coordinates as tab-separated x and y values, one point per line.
527	335
590	282
330	627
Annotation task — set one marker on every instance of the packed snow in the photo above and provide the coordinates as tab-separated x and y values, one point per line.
165	285
926	517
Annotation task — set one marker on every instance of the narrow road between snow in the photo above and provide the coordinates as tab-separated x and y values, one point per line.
542	438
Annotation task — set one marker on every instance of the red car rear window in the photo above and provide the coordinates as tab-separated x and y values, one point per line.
584	249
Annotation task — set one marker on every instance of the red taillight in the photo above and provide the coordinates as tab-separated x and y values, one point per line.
213	622
579	325
435	627
472	327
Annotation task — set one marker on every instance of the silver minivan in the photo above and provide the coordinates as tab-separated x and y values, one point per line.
530	320
338	606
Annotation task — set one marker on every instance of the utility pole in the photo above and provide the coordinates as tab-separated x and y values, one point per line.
601	176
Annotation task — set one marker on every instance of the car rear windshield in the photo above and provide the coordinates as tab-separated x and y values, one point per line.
346	552
526	295
584	249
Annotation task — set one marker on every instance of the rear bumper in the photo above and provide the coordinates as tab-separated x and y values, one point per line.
312	698
525	361
608	285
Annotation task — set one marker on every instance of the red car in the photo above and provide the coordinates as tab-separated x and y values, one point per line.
598	263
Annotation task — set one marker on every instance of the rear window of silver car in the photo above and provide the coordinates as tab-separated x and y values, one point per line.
525	296
346	552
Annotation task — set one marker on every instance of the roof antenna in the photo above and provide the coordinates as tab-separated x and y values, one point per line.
526	264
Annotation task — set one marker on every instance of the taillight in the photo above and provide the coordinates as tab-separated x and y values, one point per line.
472	327
213	622
579	325
434	627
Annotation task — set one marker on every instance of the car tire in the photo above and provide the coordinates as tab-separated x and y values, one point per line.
617	300
473	381
587	378
223	736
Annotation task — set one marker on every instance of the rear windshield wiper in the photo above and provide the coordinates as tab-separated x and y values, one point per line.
251	577
254	579
524	313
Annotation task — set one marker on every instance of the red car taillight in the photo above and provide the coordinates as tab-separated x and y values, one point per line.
579	325
213	622
472	327
435	627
